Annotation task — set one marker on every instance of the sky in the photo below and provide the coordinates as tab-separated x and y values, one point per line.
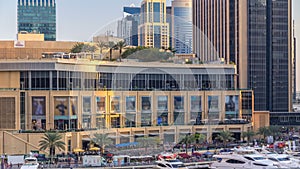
79	20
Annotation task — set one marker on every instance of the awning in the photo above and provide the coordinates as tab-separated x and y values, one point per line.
78	150
125	135
112	137
153	134
169	133
185	132
94	149
86	139
139	135
127	144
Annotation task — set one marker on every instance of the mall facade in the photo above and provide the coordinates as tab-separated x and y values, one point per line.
127	100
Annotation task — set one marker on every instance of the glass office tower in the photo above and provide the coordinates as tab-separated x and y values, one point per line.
182	30
38	16
269	61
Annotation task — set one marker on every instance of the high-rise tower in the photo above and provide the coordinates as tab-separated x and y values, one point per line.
182	26
38	16
256	35
153	28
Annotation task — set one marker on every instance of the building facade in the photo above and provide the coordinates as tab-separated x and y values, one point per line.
128	26
153	28
182	26
31	49
38	16
257	37
270	54
211	29
127	100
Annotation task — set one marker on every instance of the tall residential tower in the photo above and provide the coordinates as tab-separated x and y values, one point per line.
38	16
153	28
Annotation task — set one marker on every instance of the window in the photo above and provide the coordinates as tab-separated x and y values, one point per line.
162	103
130	103
146	103
100	104
232	161
258	164
248	158
178	103
115	104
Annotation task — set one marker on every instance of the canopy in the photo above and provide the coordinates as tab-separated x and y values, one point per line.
78	150
126	144
94	149
208	153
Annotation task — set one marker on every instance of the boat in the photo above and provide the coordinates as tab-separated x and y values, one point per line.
237	161
30	163
170	164
284	160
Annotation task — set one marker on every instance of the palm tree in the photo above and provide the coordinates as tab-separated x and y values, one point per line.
101	140
101	45
146	142
248	134
187	140
52	141
120	45
111	46
173	50
275	131
225	137
77	48
264	131
200	138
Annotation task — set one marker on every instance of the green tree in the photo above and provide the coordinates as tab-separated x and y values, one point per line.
120	45
52	141
187	140
131	51
200	138
77	48
101	45
173	50
249	135
111	46
275	131
82	47
264	131
101	140
225	137
147	54
146	142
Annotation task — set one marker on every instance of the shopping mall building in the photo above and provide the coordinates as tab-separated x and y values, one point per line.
127	100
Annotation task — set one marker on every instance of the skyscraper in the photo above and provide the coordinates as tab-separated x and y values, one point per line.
270	54
211	29
128	30
128	26
256	36
38	16
182	29
153	28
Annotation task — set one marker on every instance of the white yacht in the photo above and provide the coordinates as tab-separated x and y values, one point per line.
30	163
237	161
170	164
284	160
